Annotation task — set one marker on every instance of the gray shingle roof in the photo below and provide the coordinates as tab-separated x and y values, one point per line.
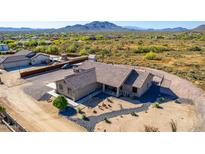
25	53
12	58
82	79
137	78
113	75
107	73
19	56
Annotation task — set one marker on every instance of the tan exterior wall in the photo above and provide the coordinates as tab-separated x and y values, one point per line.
86	90
140	91
77	94
64	91
147	84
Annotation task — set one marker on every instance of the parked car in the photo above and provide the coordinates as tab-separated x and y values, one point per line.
67	66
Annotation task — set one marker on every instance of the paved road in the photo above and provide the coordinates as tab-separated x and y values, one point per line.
93	120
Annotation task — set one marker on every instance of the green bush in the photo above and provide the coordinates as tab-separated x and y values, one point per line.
143	49
161	99
42	42
72	48
151	56
8	41
40	49
83	117
156	105
53	49
60	102
195	48
83	52
31	43
12	45
2	109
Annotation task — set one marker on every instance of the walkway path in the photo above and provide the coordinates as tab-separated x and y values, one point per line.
93	120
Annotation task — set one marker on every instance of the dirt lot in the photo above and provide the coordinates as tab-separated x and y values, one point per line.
31	115
3	128
184	115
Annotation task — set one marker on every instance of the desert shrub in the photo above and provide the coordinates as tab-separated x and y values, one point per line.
105	52
94	111
91	51
156	105
32	43
151	56
42	42
2	109
83	117
40	49
143	49
134	114
178	101
150	129
79	110
8	41
194	48
140	42
72	48
12	45
83	52
60	102
161	99
109	100
53	49
173	125
107	121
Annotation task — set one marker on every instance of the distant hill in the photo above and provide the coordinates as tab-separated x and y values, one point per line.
200	28
5	29
93	26
177	29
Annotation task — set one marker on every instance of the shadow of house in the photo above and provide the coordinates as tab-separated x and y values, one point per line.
68	111
94	101
154	93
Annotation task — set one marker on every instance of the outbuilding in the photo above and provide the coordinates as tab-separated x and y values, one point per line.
40	58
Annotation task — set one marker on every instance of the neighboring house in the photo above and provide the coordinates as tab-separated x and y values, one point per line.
4	48
22	59
40	58
11	61
111	79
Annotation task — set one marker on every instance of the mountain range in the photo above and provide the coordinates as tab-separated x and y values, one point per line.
96	26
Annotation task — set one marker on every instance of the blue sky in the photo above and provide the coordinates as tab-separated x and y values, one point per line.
141	24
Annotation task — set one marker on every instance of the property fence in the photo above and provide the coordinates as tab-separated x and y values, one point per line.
52	67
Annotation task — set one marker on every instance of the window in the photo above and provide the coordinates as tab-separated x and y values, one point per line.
134	89
69	90
60	87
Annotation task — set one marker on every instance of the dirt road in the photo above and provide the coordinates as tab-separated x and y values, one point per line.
30	115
